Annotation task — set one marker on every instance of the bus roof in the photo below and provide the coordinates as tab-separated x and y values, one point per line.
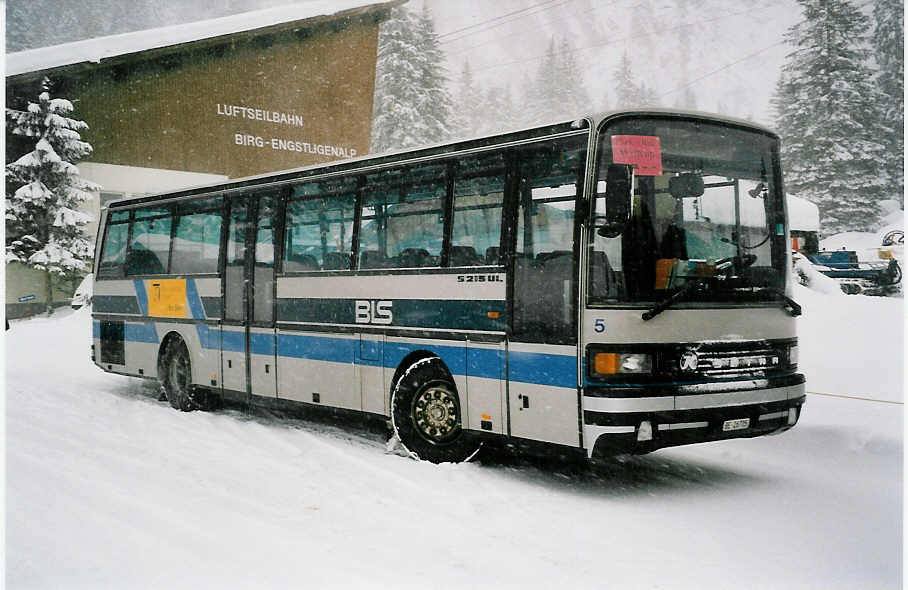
434	151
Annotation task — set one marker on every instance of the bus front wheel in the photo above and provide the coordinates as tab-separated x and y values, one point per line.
176	377
426	414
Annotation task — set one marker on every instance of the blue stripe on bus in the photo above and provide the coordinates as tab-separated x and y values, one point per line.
454	357
485	363
144	332
544	369
262	343
195	302
527	367
142	296
208	337
317	348
232	341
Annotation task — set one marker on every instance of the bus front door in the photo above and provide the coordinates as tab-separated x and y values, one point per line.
248	351
542	351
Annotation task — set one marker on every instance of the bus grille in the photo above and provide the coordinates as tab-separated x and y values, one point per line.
730	363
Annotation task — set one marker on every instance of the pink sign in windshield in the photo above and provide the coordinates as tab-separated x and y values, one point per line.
644	152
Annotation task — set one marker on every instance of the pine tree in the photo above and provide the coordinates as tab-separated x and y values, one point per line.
468	112
44	223
627	93
559	87
826	107
574	98
543	99
687	99
412	106
437	106
648	97
889	52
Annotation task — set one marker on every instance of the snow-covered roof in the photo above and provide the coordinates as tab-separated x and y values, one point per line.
803	215
95	50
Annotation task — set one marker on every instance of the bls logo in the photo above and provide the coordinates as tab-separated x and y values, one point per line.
373	312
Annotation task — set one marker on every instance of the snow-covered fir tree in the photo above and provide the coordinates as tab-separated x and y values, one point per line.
412	105
627	92
542	100
44	223
559	87
827	108
437	105
648	96
687	99
468	113
572	87
889	53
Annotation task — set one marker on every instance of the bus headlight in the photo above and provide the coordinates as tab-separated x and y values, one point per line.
793	356
622	363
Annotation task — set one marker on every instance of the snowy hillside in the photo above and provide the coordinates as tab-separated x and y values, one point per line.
109	488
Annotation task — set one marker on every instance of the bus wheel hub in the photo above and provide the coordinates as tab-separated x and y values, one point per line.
435	413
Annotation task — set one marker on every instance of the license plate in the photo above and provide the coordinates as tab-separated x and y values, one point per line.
739	424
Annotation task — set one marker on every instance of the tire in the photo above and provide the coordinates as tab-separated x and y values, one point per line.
426	414
176	378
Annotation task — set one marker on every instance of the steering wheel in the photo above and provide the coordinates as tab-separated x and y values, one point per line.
731	262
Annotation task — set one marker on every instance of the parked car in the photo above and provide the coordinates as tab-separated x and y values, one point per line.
83	294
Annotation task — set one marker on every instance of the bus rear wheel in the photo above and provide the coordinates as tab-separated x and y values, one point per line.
176	378
426	414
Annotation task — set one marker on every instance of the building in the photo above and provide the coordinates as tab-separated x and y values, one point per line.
200	102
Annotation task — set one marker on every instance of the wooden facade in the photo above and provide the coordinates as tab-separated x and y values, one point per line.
248	103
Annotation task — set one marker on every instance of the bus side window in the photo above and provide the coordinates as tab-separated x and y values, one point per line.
197	238
402	222
263	268
415	224
478	197
113	257
148	252
319	228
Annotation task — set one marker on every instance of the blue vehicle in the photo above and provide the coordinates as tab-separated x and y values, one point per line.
869	278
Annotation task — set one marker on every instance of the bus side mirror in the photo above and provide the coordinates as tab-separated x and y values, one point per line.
618	182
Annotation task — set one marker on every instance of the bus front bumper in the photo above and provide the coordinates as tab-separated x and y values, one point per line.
627	420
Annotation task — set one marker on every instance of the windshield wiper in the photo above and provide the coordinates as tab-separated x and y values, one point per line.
669	301
791	306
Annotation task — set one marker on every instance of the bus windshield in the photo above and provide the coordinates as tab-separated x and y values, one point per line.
706	208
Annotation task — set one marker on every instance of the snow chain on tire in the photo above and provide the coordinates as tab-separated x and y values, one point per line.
180	395
426	414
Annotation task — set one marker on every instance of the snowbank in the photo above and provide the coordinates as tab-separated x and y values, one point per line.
109	488
852	344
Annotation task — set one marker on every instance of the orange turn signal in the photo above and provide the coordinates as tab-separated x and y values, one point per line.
494	315
605	363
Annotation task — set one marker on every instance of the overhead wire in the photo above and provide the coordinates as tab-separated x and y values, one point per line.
725	67
491	20
499	38
614	41
502	23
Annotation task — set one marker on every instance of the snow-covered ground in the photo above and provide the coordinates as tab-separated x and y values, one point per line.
109	488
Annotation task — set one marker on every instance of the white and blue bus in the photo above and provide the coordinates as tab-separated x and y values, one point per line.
610	284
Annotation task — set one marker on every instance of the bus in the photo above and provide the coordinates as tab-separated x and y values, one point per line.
611	284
